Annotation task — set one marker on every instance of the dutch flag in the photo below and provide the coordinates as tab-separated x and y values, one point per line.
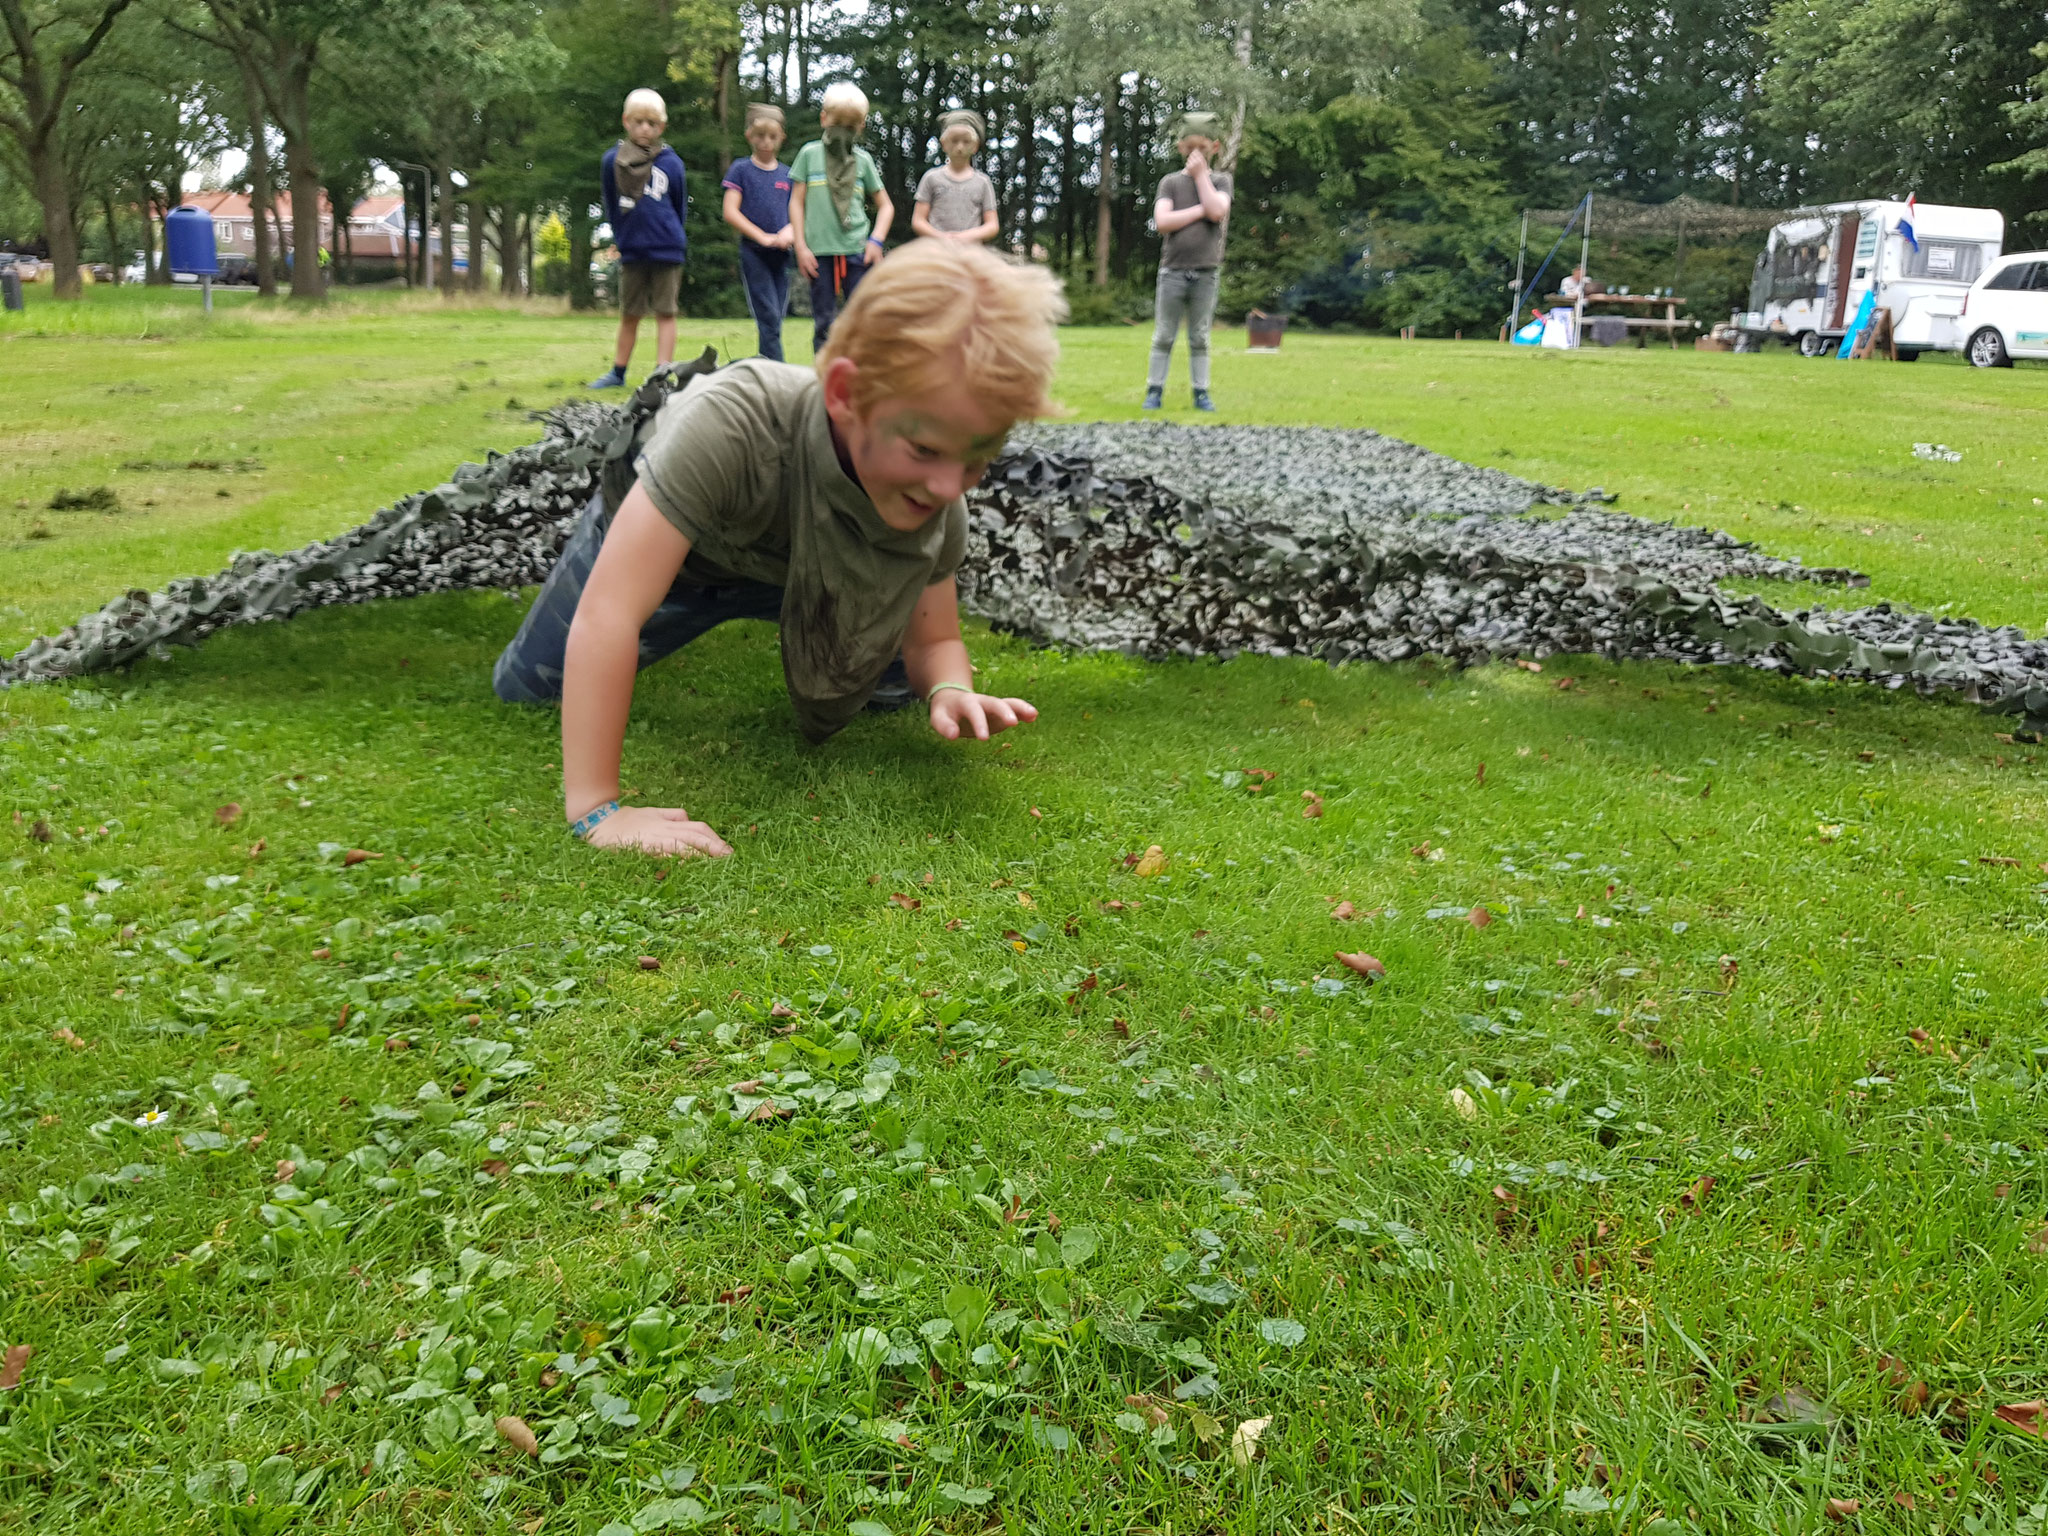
1906	223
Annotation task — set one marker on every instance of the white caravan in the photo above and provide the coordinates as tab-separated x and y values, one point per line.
1811	279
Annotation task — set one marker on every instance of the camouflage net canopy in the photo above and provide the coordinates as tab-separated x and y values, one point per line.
1168	541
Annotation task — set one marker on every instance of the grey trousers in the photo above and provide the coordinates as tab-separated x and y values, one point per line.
1193	294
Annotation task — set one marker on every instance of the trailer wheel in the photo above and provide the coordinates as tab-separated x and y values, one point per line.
1812	344
1908	355
1987	350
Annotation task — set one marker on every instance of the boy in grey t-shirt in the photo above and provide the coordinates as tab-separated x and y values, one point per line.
1192	213
954	201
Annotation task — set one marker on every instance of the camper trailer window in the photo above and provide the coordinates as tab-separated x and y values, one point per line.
1796	271
1949	261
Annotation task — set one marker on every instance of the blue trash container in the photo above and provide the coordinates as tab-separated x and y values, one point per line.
188	247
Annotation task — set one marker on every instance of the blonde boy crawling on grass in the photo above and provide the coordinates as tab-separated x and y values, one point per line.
955	201
828	498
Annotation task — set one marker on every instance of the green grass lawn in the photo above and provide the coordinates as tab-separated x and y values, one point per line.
953	1170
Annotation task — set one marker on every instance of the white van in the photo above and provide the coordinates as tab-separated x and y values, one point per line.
1811	277
2006	311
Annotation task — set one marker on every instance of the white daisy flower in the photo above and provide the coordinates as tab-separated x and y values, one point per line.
150	1119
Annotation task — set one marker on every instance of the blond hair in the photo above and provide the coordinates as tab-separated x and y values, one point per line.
645	103
844	99
942	315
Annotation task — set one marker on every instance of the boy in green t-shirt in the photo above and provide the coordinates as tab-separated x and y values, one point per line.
828	498
830	180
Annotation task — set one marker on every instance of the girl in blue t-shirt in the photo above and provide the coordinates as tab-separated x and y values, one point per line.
757	205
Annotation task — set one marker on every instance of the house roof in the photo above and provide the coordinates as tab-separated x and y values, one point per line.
235	205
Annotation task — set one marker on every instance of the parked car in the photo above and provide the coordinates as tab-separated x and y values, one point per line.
2006	311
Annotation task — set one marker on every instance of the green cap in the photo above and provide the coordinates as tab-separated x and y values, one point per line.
1198	125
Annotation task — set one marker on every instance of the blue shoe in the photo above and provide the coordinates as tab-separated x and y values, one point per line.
615	379
1154	399
1203	402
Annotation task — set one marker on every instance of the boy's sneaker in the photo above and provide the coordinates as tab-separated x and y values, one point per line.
1154	399
614	378
1203	402
893	691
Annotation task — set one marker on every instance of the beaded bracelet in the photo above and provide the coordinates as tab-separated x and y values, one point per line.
586	824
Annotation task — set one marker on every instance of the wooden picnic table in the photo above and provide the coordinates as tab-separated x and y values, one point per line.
1669	322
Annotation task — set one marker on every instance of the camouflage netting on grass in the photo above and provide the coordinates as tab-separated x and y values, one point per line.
1161	541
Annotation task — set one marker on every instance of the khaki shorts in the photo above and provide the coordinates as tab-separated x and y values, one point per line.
649	287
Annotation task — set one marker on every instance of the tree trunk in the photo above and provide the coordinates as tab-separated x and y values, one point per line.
1066	210
721	104
114	235
1236	139
478	213
60	230
444	196
1027	208
526	255
582	292
146	205
508	269
261	192
1105	182
302	165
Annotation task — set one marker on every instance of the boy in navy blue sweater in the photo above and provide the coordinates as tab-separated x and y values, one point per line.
645	199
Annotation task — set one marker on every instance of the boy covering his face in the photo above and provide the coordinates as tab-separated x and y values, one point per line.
832	178
1192	213
645	199
828	499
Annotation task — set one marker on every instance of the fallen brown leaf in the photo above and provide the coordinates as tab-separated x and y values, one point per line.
1901	1498
1343	912
40	831
357	856
1480	777
768	1110
1998	859
1364	964
496	1167
515	1433
953	923
907	903
323	953
1244	1441
1314	809
1153	863
1421	849
63	1034
227	814
1479	917
2038	1243
735	1296
781	1011
1151	1411
1529	666
1914	1398
1843	1509
285	1169
1565	683
15	1363
1895	1369
2024	1417
649	963
1696	1196
1037	814
329	1397
397	1043
256	848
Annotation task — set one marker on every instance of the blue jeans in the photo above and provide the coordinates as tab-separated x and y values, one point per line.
1182	292
529	671
837	277
764	274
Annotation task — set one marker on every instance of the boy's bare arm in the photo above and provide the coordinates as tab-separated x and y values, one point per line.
921	220
805	261
1169	218
885	214
936	658
642	553
991	226
739	221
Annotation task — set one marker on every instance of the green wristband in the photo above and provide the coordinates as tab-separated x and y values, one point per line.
938	687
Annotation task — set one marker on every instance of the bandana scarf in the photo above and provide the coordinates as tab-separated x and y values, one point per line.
633	167
842	168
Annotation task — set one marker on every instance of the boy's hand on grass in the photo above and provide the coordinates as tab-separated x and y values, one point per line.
652	829
956	713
